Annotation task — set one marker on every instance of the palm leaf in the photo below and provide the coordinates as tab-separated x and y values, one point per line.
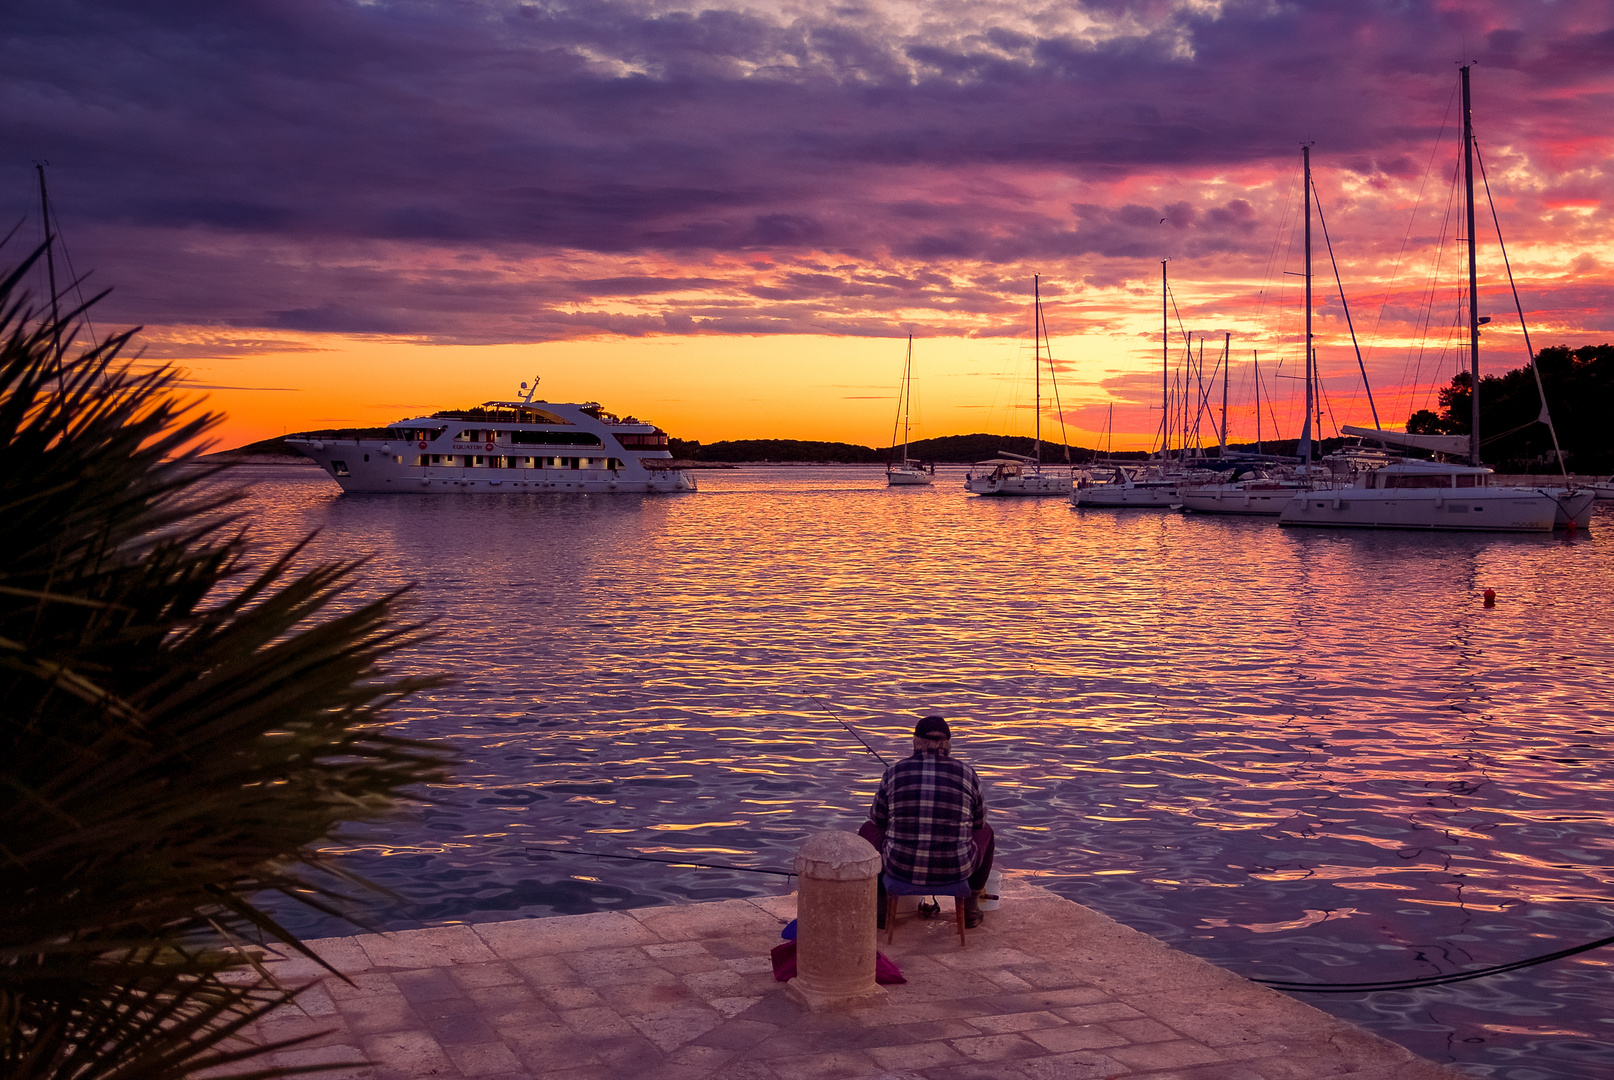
179	728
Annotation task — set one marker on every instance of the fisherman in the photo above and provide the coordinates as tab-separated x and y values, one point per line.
929	820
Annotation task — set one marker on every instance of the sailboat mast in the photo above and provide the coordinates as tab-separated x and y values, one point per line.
1257	354
1165	369
1305	430
1227	358
907	398
1473	277
1036	355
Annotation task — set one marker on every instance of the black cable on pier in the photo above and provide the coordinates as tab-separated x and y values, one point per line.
1432	980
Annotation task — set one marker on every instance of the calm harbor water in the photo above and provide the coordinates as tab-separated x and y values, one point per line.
1303	755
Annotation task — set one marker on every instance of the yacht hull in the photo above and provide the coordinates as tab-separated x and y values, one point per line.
907	478
1574	507
1427	509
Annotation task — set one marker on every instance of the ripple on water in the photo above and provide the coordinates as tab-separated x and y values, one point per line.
1305	755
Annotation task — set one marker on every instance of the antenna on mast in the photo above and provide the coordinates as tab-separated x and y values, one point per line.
526	395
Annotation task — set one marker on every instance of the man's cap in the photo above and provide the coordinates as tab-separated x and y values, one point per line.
932	727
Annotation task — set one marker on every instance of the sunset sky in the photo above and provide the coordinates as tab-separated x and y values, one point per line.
727	217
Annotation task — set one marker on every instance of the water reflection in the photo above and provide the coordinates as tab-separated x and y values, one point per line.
1301	754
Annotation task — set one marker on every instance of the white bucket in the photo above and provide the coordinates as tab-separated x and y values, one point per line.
994	886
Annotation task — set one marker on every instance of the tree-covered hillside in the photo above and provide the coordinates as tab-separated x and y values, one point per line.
1579	384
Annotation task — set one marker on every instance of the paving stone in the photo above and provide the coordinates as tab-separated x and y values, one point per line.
524	938
315	1001
1076	1066
722	918
1047	990
1142	1031
704	1057
496	999
732	1006
497	973
825	1065
924	1055
671	1030
1103	1010
650	998
483	1059
1163	1055
996	1047
1025	1021
406	1054
436	946
460	1030
378	1013
341	1053
357	986
572	997
737	1034
1076	1037
431	984
596	1022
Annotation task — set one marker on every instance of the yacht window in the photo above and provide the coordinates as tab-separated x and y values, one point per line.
366	457
1417	480
1468	481
339	468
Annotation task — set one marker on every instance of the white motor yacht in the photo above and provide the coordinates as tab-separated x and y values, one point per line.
503	446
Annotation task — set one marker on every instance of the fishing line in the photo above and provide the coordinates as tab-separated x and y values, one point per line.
1432	980
667	862
851	729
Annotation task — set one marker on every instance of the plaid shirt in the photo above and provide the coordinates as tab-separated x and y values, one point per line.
928	806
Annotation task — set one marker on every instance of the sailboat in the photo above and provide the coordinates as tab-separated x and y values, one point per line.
1145	487
1019	474
1441	495
1266	492
899	471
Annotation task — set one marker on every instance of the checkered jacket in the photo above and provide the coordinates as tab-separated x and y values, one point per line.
928	806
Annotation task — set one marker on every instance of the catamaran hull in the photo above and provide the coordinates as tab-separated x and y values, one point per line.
1574	507
1428	509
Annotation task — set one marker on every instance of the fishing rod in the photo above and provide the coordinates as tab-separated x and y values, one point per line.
667	862
1432	980
851	729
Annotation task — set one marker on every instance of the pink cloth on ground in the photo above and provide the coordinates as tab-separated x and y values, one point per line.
886	970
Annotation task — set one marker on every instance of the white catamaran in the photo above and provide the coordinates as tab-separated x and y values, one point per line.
504	446
1440	495
1019	474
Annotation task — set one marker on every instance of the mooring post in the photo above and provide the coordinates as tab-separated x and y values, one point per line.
835	922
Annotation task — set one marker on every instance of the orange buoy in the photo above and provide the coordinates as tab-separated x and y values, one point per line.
1490	597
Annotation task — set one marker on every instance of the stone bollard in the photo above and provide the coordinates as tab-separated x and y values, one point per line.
835	931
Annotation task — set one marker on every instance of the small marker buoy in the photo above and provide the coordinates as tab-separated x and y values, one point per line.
1490	597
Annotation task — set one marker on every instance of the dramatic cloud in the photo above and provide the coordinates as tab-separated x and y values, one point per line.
517	172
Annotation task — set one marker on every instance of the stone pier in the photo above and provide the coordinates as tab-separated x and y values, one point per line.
1046	990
